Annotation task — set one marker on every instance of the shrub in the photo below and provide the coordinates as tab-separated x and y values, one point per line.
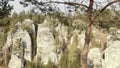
29	64
63	63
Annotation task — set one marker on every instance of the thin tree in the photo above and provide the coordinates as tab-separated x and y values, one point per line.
91	17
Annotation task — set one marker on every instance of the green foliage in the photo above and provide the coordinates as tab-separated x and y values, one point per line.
76	62
109	18
5	8
17	48
73	47
96	43
63	63
35	17
1	61
3	35
5	21
74	53
2	40
49	65
21	16
29	64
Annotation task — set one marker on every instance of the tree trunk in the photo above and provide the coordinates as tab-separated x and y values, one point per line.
87	35
86	46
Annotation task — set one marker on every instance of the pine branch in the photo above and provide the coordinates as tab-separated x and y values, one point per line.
67	3
110	3
101	10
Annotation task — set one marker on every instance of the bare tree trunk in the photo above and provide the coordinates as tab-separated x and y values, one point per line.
87	35
86	46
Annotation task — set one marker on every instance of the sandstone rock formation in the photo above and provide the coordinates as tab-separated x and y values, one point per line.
20	42
53	39
112	50
112	53
45	43
15	62
29	25
94	58
21	45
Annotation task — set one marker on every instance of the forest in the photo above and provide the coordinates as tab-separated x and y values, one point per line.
85	19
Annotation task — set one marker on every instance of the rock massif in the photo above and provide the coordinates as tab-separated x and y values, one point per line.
50	43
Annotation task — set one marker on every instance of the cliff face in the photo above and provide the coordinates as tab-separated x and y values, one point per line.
46	43
19	45
52	41
112	49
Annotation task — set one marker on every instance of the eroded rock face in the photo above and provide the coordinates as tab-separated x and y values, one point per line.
81	39
94	58
25	41
45	44
112	55
20	42
112	50
29	25
15	62
62	33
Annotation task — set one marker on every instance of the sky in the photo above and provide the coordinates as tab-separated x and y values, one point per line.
18	7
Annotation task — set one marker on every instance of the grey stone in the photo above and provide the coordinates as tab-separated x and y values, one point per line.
94	58
112	55
15	62
20	41
29	25
45	45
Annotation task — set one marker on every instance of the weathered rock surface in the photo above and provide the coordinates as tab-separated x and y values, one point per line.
52	40
25	41
112	50
15	62
20	41
29	25
45	43
112	55
94	58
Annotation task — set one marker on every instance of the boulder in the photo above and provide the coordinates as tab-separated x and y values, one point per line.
112	55
94	58
15	62
118	34
112	49
114	34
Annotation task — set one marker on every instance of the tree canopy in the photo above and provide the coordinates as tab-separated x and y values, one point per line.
5	8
